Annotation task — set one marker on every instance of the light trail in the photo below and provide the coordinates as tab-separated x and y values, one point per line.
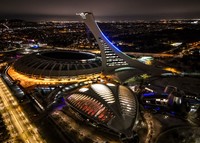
26	131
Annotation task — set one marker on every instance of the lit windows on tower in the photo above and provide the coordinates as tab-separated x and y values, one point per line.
112	59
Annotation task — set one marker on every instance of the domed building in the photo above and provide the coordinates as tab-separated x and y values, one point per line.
53	67
109	106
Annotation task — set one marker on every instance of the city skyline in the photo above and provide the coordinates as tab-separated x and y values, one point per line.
103	10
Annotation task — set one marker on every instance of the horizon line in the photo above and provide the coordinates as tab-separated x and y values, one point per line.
70	17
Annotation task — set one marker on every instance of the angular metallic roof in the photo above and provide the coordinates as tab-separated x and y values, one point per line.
114	106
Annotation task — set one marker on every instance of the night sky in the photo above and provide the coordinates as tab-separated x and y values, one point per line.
138	9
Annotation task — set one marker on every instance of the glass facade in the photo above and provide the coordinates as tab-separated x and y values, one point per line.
91	107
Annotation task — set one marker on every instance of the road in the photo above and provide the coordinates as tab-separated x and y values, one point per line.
156	55
24	129
136	54
81	130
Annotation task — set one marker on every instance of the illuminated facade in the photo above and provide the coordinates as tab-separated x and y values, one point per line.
112	106
57	64
55	67
112	57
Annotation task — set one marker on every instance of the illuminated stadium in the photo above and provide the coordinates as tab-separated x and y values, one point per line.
59	67
109	106
53	67
109	99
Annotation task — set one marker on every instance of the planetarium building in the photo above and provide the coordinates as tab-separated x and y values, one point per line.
111	106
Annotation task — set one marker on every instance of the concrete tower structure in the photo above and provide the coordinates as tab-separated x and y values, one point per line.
112	57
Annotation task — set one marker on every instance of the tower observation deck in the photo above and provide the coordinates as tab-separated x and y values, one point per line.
112	57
